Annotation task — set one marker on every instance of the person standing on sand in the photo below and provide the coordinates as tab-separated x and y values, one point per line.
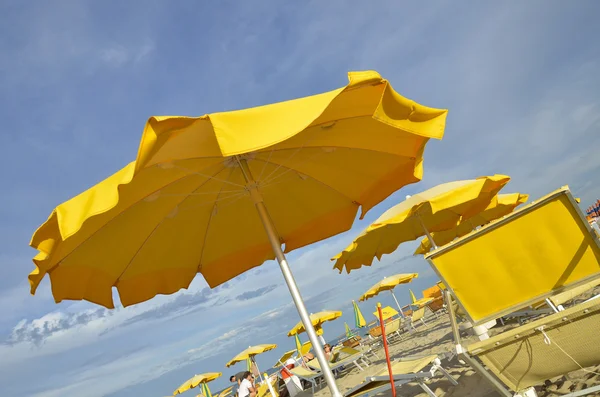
237	379
247	388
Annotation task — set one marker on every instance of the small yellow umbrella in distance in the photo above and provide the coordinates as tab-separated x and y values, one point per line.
249	354
388	284
436	209
198	380
359	319
502	205
289	173
317	320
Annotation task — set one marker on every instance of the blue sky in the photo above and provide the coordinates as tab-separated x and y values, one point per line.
78	80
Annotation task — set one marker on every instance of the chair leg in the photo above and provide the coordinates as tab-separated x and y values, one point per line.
358	365
447	375
426	389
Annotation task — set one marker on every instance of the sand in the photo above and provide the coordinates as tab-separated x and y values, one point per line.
437	339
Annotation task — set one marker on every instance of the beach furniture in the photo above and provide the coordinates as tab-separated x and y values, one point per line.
405	370
545	348
543	251
416	317
309	375
352	356
264	390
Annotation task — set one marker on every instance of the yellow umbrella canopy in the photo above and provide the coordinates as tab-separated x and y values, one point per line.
388	284
189	201
250	352
439	208
502	205
221	193
196	381
317	320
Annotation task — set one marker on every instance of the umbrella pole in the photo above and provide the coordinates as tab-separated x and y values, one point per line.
287	275
397	304
433	244
387	352
257	369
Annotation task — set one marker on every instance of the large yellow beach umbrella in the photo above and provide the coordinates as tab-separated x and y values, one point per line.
317	320
198	380
221	193
388	284
439	208
501	205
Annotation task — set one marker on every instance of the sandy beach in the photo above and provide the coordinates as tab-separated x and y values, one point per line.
436	338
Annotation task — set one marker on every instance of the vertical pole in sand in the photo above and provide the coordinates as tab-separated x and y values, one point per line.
387	352
273	237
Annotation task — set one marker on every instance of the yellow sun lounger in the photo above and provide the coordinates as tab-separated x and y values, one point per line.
405	371
541	252
543	349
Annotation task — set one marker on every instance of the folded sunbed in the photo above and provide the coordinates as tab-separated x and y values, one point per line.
405	371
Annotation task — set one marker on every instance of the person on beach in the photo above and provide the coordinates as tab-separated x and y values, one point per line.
247	388
237	379
328	353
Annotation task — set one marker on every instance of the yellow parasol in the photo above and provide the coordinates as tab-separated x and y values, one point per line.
388	284
219	194
439	208
249	354
317	320
198	380
502	205
359	320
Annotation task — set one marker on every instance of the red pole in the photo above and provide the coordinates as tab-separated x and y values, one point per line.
385	347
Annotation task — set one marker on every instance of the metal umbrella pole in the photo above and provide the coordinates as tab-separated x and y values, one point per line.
433	244
251	185
397	304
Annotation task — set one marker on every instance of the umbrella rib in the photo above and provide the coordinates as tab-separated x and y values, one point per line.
158	225
124	210
199	267
321	182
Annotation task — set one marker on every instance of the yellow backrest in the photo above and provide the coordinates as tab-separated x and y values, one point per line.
418	314
535	252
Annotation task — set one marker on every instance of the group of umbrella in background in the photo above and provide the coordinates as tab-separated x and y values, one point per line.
594	210
222	193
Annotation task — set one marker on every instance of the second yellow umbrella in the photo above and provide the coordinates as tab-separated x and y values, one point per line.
439	208
317	320
388	284
503	205
249	354
198	380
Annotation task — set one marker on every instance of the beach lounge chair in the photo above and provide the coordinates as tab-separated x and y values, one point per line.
352	356
392	329
308	375
545	348
417	316
263	388
535	254
405	371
